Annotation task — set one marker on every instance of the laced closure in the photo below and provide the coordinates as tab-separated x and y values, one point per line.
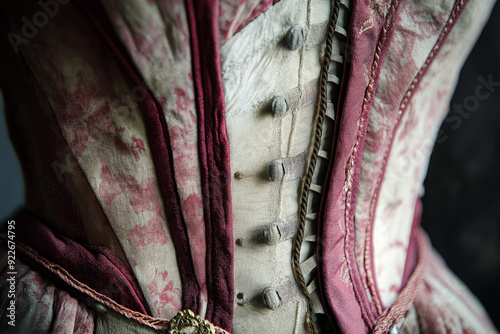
305	272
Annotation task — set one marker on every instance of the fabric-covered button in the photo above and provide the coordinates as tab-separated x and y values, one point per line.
271	298
279	106
295	38
276	170
272	234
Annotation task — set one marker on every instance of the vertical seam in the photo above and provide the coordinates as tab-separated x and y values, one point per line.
457	9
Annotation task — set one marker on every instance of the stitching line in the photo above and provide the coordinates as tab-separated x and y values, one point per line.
404	103
367	314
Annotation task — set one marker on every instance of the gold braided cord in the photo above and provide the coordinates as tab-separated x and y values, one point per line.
161	325
323	103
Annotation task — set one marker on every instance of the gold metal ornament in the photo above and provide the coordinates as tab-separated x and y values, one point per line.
186	322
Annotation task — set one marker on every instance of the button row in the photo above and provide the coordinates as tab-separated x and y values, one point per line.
285	168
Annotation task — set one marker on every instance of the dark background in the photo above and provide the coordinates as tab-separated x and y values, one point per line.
462	189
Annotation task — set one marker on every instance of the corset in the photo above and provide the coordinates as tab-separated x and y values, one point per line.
242	167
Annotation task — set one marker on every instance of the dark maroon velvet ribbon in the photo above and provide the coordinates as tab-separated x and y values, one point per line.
214	159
